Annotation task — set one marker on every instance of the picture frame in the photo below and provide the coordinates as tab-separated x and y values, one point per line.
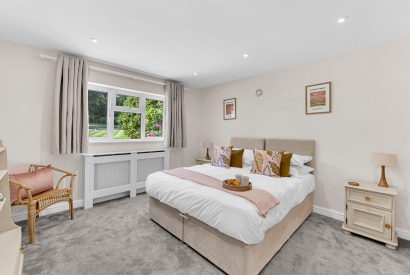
318	98
229	108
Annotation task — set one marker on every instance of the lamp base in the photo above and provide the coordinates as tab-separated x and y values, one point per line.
207	154
383	181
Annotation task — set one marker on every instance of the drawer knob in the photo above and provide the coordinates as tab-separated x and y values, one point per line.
367	198
388	226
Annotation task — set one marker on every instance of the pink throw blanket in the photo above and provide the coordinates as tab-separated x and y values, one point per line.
262	199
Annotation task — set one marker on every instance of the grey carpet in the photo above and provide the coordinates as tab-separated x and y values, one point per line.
117	237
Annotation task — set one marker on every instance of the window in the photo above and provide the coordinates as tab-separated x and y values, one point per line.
119	114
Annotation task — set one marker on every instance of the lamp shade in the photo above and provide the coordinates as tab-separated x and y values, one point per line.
384	159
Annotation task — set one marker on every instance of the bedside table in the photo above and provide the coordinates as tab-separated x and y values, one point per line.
370	212
201	161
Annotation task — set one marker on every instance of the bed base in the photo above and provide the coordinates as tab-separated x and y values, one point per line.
229	254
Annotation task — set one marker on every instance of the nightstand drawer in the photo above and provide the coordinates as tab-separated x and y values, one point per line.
371	199
373	221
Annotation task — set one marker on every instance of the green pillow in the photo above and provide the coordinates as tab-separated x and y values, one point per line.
236	158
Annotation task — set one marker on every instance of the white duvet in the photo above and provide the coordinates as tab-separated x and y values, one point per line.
230	214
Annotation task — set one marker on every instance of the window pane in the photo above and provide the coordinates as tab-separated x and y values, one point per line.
127	125
97	113
127	101
154	115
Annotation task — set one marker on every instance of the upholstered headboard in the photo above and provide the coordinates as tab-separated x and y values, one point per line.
298	146
248	143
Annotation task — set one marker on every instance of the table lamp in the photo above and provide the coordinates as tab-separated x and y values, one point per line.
384	160
207	145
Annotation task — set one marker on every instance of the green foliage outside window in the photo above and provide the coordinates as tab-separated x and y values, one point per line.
97	107
97	112
127	125
130	123
154	115
122	100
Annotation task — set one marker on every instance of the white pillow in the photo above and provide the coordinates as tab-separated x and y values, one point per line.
298	160
247	158
300	170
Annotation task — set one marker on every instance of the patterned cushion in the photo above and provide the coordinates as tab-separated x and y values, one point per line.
221	156
285	163
266	163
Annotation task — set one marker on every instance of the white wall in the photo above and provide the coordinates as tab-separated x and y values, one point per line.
26	92
370	113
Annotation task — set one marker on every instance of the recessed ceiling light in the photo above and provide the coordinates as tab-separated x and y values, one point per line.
94	40
246	55
343	19
196	73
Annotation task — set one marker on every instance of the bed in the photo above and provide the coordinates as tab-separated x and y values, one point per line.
222	227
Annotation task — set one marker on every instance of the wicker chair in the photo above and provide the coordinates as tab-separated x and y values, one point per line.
39	202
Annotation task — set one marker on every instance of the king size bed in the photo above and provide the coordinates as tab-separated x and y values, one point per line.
227	229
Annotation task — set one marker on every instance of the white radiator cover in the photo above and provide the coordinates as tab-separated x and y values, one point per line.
107	174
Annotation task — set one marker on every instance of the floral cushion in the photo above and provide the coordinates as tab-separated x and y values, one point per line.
221	156
267	163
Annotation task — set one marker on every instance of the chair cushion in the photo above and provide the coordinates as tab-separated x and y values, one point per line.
39	181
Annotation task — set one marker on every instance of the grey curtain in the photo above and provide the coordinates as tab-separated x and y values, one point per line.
176	137
69	113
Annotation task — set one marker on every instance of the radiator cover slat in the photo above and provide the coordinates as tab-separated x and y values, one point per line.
111	174
148	166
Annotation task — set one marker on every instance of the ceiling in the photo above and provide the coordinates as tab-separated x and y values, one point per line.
174	39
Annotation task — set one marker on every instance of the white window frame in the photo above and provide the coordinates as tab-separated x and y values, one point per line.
112	92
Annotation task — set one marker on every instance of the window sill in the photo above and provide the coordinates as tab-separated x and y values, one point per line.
111	141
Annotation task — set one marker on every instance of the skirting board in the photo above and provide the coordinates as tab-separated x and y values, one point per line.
401	233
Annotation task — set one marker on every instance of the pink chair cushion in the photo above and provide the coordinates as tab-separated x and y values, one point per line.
19	168
39	181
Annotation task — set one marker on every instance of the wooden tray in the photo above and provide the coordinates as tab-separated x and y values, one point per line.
237	188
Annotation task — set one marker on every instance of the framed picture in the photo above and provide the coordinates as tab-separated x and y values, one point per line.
230	108
318	99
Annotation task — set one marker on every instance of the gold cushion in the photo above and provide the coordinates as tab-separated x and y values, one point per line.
236	158
285	164
266	163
